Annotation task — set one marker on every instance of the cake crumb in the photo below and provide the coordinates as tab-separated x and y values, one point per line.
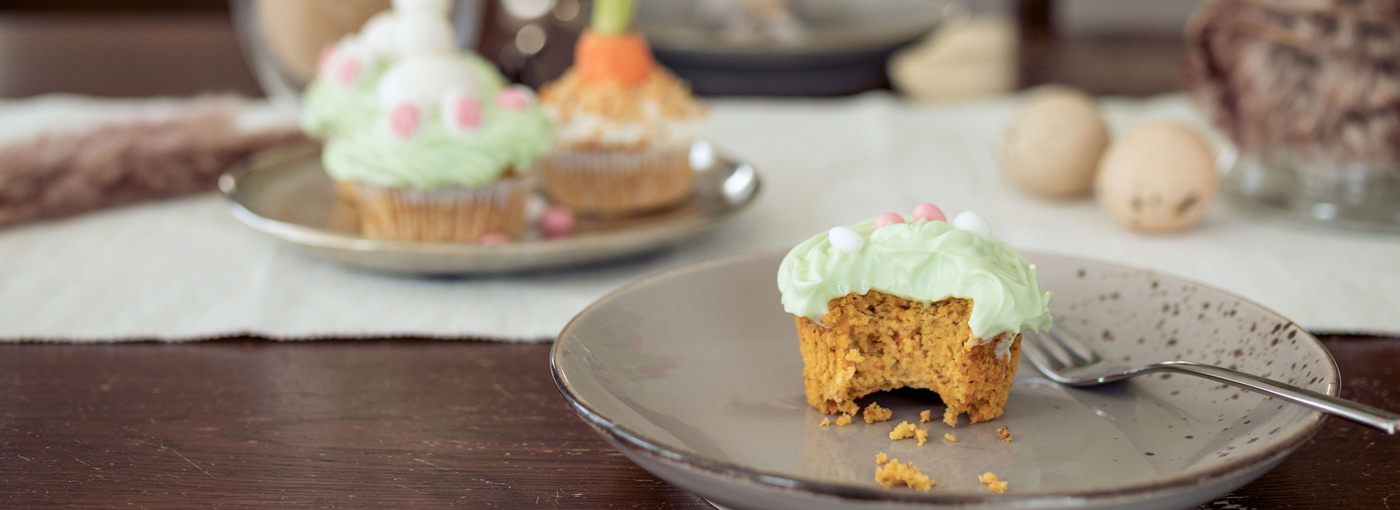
1004	434
948	436
924	416
881	459
993	484
843	421
894	473
854	356
874	413
906	429
825	422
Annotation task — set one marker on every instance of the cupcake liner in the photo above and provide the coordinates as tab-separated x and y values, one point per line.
452	214
599	183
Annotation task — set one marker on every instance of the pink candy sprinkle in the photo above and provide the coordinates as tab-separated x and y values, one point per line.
929	212
515	98
495	238
556	221
887	219
403	120
466	113
348	71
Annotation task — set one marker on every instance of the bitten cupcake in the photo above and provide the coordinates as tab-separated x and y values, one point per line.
624	125
912	301
443	149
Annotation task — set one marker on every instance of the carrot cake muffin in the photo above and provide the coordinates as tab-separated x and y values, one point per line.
625	124
911	301
432	144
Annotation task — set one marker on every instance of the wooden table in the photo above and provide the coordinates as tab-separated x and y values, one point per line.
399	423
376	424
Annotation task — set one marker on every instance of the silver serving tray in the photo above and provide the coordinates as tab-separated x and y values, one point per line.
286	194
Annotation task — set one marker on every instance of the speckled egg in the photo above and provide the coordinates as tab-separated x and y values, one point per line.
1159	177
1052	145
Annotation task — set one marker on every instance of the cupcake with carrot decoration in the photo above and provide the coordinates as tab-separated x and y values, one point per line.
623	124
443	150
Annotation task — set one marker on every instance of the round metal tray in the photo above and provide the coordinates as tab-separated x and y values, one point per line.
286	194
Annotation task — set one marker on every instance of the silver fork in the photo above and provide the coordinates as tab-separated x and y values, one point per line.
1068	361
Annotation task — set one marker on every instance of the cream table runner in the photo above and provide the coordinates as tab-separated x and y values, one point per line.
185	269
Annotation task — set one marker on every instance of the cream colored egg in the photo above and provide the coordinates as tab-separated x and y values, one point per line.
1159	177
1053	144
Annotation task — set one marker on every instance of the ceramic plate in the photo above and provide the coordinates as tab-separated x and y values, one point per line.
695	375
285	193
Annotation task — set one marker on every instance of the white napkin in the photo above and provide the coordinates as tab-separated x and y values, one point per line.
185	269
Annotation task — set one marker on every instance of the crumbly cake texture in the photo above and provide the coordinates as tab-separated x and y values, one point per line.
843	421
907	430
948	436
826	422
1004	434
881	459
925	415
993	484
619	102
877	341
874	413
894	473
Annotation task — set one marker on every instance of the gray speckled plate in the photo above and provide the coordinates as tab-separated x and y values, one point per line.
695	375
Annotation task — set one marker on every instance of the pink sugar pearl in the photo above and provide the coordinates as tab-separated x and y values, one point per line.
495	238
888	218
556	221
929	212
348	72
403	120
515	98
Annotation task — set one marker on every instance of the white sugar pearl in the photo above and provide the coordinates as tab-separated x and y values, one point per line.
971	222
379	36
434	7
424	80
419	34
845	239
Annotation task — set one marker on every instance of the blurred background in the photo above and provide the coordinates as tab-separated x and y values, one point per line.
724	47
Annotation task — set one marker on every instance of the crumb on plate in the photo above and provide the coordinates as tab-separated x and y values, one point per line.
843	421
993	484
925	416
893	473
948	436
881	458
825	422
874	413
1004	434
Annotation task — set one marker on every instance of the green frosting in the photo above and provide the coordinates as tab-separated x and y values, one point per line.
434	157
924	261
359	147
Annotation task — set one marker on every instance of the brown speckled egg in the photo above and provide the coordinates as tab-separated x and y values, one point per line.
1052	145
1159	177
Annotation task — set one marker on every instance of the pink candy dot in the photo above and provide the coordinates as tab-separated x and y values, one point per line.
515	98
403	120
929	212
556	221
348	71
495	238
888	218
466	113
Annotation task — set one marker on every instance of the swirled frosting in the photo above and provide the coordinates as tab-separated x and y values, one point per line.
658	113
924	261
435	157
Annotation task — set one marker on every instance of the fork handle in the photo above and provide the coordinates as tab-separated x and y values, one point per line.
1360	413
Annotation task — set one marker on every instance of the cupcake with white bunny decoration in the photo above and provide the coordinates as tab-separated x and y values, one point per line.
912	301
429	142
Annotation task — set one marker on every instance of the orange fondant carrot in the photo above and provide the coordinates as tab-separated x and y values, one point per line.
625	58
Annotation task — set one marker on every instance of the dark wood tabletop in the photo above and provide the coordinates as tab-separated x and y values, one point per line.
402	423
399	423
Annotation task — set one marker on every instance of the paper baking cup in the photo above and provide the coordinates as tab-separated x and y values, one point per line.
451	214
598	183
